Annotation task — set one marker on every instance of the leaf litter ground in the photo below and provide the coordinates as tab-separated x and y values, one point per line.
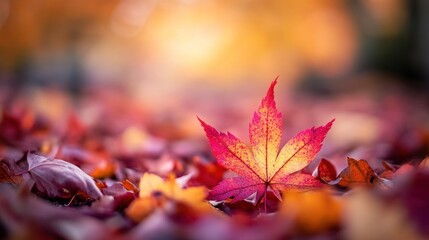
101	167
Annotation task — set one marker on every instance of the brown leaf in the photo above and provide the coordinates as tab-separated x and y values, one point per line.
7	176
358	173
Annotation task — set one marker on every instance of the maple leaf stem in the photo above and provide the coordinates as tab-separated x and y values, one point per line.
266	150
265	199
71	200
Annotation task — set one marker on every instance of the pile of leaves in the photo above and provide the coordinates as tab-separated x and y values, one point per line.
96	171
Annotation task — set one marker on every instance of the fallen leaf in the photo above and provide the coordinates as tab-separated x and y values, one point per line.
326	171
207	174
358	173
141	208
264	168
58	178
155	192
122	196
129	186
104	168
388	171
7	176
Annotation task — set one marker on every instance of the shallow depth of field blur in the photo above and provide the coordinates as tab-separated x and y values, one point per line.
133	75
176	56
173	60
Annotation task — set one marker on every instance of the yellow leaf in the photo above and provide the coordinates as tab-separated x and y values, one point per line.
155	192
150	183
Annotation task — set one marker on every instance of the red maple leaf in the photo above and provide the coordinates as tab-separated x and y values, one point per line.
263	167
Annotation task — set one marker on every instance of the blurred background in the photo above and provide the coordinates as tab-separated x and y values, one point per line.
364	62
114	87
150	45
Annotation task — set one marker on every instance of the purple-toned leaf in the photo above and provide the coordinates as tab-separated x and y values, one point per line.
58	178
122	196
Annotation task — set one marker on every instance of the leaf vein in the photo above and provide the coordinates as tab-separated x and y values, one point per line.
296	152
241	160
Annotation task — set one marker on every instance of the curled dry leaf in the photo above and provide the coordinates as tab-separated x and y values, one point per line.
388	171
358	173
263	167
58	178
326	171
122	196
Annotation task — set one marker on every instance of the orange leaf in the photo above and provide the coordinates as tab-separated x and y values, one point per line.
312	212
129	186
155	192
358	173
140	208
